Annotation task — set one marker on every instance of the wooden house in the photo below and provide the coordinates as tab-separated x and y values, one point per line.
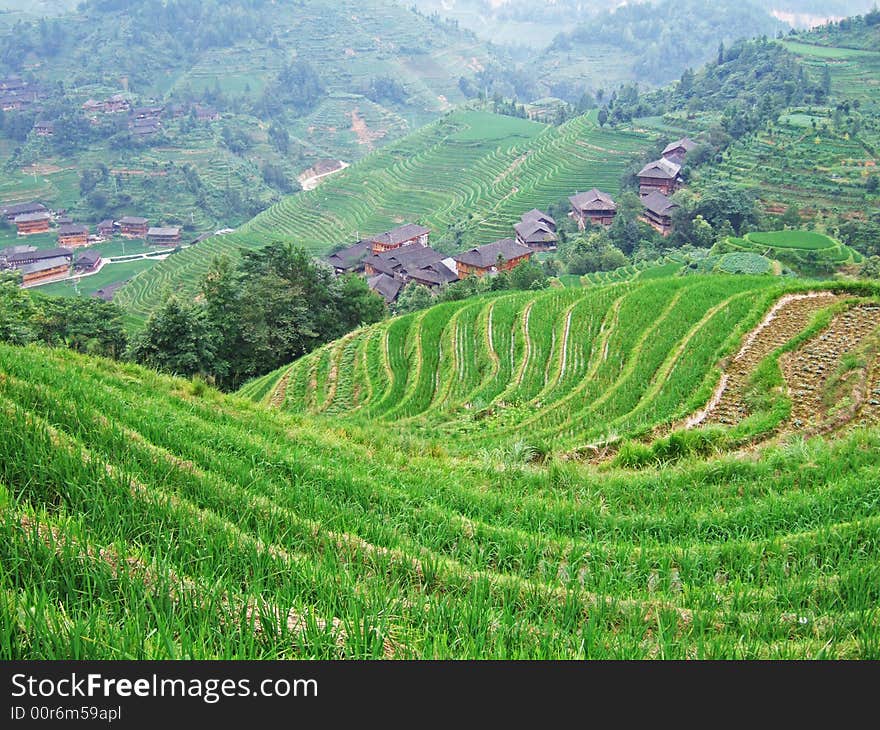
594	206
44	270
662	176
415	262
537	230
11	211
29	223
106	228
44	129
165	236
133	226
501	255
677	151
657	212
387	287
24	255
404	235
87	262
72	235
350	260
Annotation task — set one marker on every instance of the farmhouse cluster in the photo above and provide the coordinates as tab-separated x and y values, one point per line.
38	266
42	265
392	259
34	217
658	180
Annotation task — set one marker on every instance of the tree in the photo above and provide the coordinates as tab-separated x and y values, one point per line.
176	340
528	275
603	116
413	298
872	184
16	310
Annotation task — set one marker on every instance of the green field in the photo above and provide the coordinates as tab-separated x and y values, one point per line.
109	274
147	517
564	369
815	158
805	240
472	170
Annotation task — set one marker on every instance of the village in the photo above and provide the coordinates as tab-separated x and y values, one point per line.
393	259
44	265
389	260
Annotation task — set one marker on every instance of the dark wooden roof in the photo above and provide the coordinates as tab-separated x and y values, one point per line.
72	229
485	257
351	257
38	255
661	169
386	286
31	217
658	204
685	143
19	208
400	234
45	265
133	220
535	231
593	199
88	258
539	215
404	259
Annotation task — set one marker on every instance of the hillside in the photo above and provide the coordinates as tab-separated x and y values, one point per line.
469	177
144	516
569	371
817	155
286	94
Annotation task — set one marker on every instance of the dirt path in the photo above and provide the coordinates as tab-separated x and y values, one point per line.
787	318
812	368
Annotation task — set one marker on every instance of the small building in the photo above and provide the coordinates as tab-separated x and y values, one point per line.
72	235
387	287
87	262
5	253
167	236
405	235
206	113
106	228
44	129
594	206
677	151
537	230
662	176
501	255
116	103
657	212
133	227
29	223
44	270
11	211
350	260
31	255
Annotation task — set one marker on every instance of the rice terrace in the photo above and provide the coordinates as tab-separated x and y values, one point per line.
336	331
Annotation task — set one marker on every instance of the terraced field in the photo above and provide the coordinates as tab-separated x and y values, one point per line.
471	169
560	372
149	517
788	244
804	159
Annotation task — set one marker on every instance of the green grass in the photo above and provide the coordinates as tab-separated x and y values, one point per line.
147	517
109	274
805	240
565	368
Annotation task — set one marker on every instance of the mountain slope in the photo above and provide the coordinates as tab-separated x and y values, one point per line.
144	516
469	177
573	370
